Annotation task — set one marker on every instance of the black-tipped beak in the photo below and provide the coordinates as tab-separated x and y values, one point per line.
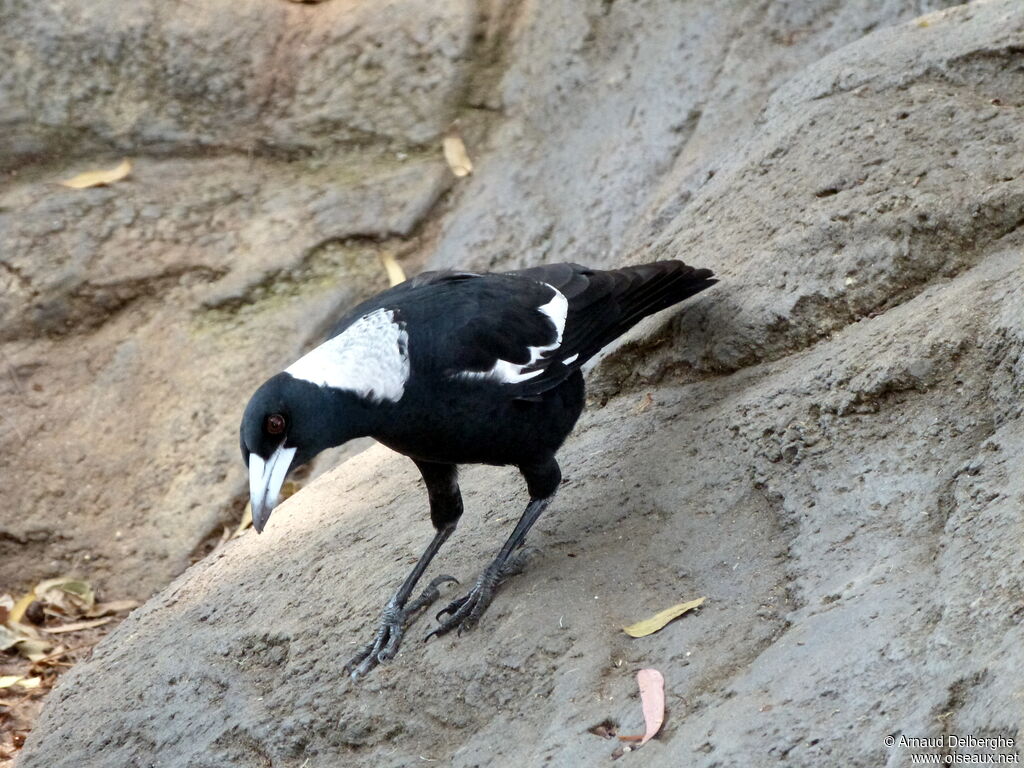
265	481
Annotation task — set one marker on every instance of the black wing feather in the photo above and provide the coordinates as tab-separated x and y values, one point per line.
463	322
604	304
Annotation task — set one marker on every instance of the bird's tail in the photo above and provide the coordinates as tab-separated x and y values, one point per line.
648	288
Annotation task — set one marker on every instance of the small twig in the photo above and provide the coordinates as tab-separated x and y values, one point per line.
59	654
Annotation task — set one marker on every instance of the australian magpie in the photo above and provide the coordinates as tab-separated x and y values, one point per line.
454	368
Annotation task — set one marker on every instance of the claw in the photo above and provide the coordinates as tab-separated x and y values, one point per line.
429	594
464	612
393	622
452	607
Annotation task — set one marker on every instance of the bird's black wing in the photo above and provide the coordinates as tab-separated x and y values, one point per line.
527	331
604	304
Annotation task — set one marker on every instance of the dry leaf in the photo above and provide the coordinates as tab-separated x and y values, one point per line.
24	682
99	178
33	650
652	700
114	606
245	523
24	640
395	272
456	155
8	639
18	611
67	595
660	619
6	606
77	625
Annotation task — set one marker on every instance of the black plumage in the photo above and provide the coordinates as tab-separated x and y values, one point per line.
454	368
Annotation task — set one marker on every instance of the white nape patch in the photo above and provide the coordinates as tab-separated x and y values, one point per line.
513	373
369	358
570	359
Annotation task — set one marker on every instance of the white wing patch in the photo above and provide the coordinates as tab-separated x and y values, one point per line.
513	373
369	358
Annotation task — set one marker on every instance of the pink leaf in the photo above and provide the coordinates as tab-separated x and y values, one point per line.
652	699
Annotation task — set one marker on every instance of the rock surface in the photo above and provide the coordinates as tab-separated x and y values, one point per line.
826	445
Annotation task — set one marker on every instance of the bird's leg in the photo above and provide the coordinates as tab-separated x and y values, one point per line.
464	612
397	615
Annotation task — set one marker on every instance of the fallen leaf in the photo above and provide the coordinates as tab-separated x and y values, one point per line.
395	272
456	155
245	523
645	403
33	649
24	640
660	619
68	595
8	639
8	681
114	606
78	625
99	178
652	700
22	604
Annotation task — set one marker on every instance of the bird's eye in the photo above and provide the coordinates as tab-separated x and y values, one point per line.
275	424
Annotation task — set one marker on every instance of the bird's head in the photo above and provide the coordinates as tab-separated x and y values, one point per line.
287	422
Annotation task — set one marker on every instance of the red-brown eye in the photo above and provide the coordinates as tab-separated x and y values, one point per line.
275	424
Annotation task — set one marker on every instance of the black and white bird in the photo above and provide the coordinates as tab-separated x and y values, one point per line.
454	368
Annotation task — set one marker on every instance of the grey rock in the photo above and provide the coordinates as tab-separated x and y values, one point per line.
279	78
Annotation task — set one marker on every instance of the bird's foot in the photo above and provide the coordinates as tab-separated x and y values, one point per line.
393	623
464	612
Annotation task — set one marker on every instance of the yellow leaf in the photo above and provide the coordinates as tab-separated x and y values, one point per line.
245	523
33	650
77	625
29	682
456	155
18	611
6	681
660	619
395	272
114	606
99	178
